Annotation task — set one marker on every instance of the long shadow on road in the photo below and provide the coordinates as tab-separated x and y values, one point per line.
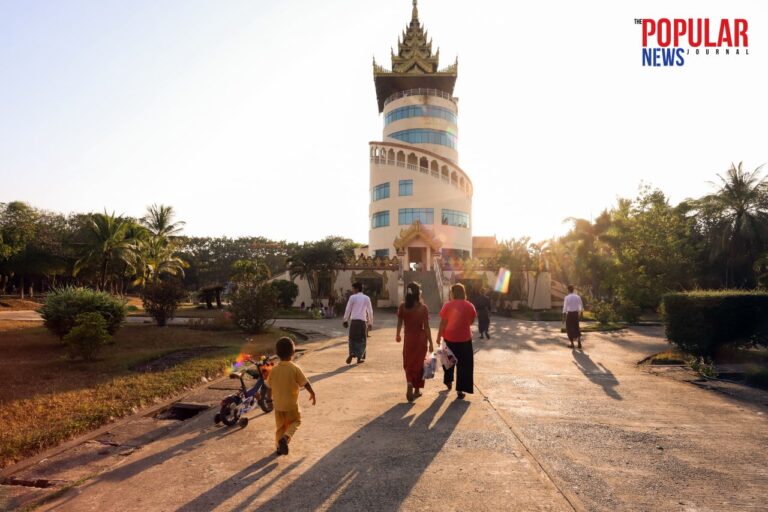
376	467
597	373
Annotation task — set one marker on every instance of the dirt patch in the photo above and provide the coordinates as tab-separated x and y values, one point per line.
174	358
18	305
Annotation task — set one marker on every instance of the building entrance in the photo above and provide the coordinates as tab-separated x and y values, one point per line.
417	258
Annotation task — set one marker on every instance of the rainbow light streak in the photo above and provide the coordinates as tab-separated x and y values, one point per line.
502	281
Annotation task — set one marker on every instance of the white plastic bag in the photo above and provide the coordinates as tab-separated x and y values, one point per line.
430	365
447	358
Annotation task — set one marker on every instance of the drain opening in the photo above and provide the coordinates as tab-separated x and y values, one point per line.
181	411
38	483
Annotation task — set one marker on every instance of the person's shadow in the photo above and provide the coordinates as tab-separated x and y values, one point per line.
375	468
596	373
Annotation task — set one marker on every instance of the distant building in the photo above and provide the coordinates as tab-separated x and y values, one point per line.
421	199
484	247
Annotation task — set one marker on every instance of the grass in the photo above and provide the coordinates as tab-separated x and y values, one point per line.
46	399
670	357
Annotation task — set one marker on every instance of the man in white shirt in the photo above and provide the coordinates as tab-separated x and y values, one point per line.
573	311
359	318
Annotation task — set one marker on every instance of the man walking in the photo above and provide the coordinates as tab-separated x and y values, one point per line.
359	318
573	311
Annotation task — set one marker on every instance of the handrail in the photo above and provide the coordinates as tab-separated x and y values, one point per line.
437	268
425	170
421	91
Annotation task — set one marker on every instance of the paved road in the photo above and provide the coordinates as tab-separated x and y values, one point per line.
548	429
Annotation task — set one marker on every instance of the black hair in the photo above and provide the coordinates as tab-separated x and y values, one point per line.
412	295
570	288
284	348
357	285
459	292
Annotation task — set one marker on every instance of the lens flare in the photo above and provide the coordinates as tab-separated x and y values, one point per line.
502	281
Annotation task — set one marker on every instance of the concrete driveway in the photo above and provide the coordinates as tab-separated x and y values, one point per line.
548	428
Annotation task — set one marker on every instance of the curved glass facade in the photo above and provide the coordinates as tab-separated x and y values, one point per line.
380	220
380	192
419	111
406	216
424	136
455	218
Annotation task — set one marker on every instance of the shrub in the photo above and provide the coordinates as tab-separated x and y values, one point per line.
252	306
629	311
703	321
63	305
87	337
604	312
161	299
287	291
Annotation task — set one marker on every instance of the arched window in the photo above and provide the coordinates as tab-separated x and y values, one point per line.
424	164
391	157
413	161
401	159
445	173
461	182
454	178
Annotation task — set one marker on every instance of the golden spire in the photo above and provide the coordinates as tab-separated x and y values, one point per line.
415	15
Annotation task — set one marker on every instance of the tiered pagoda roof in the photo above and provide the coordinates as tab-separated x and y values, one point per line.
414	66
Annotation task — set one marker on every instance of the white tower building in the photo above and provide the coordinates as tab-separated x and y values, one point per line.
421	200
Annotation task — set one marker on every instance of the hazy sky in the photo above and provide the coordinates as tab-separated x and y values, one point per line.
253	117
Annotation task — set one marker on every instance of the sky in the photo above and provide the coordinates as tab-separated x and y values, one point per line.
253	117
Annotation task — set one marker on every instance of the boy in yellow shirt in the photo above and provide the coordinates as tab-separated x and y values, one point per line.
284	382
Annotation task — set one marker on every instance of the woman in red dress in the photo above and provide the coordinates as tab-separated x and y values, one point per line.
418	337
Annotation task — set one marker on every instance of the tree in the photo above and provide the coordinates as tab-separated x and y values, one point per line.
287	291
316	259
17	228
107	245
156	258
159	221
736	220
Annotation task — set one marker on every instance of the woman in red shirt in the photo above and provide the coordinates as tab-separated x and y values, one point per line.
456	317
414	315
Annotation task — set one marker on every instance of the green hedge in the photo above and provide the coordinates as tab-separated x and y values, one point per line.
63	305
701	322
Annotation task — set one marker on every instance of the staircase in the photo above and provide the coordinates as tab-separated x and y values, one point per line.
430	293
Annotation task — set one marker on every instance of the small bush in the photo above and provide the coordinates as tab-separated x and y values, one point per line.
702	322
604	312
629	311
161	299
287	291
63	305
252	306
87	337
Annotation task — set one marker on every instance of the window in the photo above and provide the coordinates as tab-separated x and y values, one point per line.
406	187
380	192
408	216
380	220
424	136
381	253
455	218
420	111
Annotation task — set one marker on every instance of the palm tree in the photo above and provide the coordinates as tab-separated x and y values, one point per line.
155	258
317	259
159	221
107	245
737	215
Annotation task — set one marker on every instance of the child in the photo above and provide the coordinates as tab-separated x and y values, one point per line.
284	382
